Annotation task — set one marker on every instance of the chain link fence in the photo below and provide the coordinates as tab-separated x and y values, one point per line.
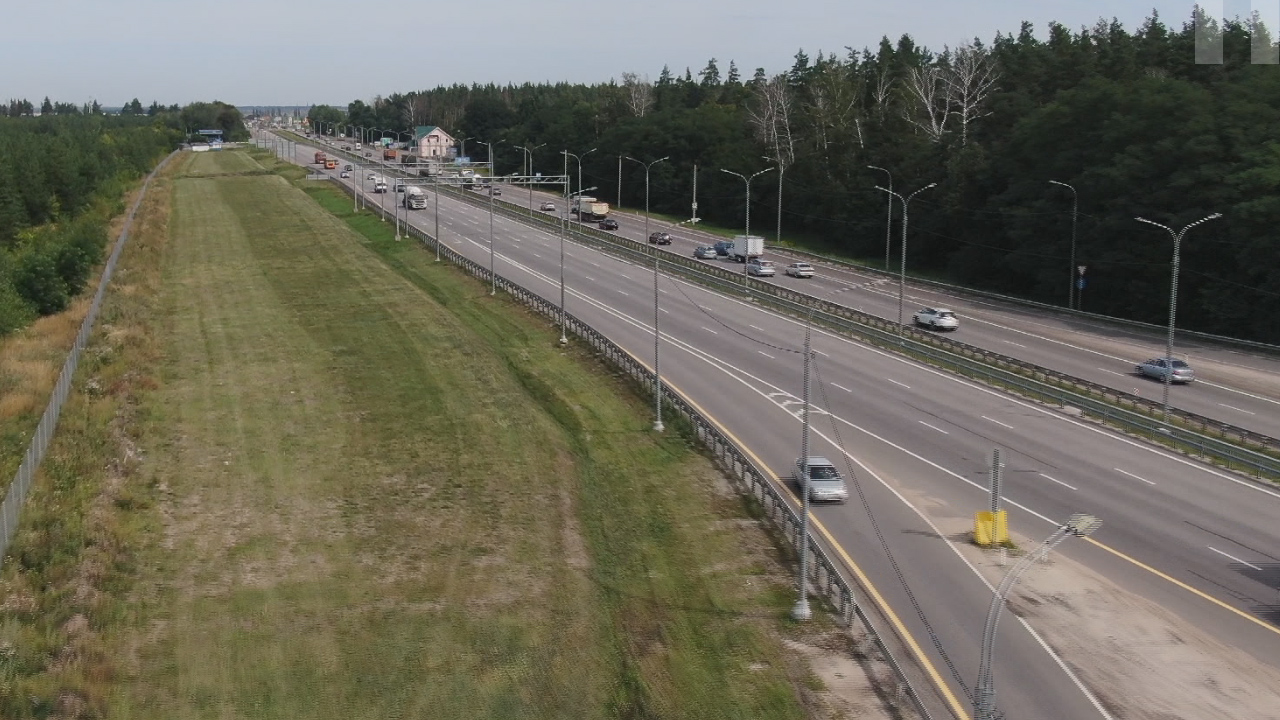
11	508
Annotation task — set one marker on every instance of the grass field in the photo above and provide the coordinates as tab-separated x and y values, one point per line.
354	485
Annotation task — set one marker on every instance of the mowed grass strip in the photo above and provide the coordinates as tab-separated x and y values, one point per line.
385	494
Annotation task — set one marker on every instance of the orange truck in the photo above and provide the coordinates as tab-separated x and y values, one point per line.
389	154
330	164
320	158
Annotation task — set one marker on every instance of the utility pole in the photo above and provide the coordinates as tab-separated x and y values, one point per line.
801	610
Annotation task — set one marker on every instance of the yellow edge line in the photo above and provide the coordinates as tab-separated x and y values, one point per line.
956	706
1184	586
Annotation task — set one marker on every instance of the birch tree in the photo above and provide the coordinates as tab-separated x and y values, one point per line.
930	104
969	81
639	93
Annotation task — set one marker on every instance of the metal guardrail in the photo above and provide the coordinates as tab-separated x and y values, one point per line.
824	578
1228	446
1041	306
15	497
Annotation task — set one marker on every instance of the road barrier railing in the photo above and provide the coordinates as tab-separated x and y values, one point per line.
16	496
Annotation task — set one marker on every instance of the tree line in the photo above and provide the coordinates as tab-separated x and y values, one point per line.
1123	122
62	177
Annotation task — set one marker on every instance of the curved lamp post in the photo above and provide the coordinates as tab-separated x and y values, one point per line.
647	167
1071	275
984	697
657	372
747	180
1173	299
888	218
568	155
902	269
493	278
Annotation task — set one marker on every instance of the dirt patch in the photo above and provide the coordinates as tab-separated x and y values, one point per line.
1142	661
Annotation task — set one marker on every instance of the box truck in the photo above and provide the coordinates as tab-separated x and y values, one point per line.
746	247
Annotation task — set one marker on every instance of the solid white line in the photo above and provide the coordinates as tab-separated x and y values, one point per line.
944	432
766	354
1233	557
1139	477
841	387
1046	477
1246	412
984	417
895	382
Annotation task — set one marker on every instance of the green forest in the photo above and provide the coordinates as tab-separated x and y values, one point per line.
63	174
1123	122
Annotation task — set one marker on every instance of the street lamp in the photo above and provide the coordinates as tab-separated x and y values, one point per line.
984	697
747	180
646	167
1071	275
568	155
493	278
781	170
1173	299
888	219
528	152
902	269
801	609
657	372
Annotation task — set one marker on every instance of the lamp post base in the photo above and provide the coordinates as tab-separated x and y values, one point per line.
801	610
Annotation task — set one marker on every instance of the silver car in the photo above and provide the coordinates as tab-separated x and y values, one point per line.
826	484
706	252
1159	367
936	318
762	268
800	270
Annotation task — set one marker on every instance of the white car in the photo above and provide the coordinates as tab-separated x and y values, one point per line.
547	207
800	270
825	482
936	319
762	268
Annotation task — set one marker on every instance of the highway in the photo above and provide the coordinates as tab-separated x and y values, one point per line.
918	442
1234	386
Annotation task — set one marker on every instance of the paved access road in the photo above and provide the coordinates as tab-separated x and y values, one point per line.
919	441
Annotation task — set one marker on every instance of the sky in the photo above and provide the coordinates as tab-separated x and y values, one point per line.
270	52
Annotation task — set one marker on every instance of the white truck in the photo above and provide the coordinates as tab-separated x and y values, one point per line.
379	184
746	247
589	209
414	198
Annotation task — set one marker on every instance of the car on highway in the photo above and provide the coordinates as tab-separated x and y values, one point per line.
826	484
800	270
936	318
344	174
1159	367
372	176
723	247
705	252
348	168
608	224
368	154
495	191
660	238
762	268
547	207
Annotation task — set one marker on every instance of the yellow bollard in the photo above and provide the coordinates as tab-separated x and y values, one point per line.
990	529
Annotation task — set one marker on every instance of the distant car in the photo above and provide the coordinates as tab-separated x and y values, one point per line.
495	191
344	174
723	247
825	482
800	270
348	168
372	176
936	319
1159	367
368	153
608	224
547	207
705	252
762	268
660	238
